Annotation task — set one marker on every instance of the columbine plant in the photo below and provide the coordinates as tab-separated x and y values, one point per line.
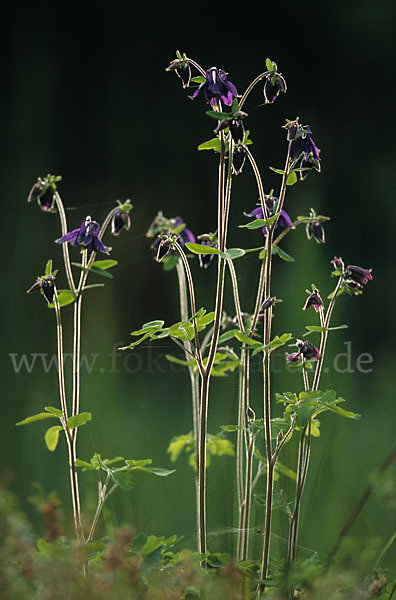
206	337
87	239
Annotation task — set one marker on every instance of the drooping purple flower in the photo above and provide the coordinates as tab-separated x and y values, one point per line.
238	159
303	148
271	201
317	232
337	263
120	220
273	84
267	303
46	285
217	87
86	236
313	300
45	196
306	350
163	226
358	274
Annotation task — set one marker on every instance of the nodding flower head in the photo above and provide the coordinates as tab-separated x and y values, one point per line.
182	68
238	159
217	88
273	84
338	263
306	351
271	203
317	232
121	218
44	192
303	148
175	228
313	300
46	285
87	236
358	275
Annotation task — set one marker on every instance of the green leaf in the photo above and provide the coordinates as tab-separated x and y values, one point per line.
161	472
38	417
282	254
65	297
201	249
257	223
227	335
232	253
284	470
178	444
105	264
48	267
242	337
138	543
218	115
52	436
318	328
55	411
303	414
268	64
178	361
344	413
124	479
213	144
170	262
231	428
291	179
198	79
279	171
99	271
78	420
86	466
93	285
137	464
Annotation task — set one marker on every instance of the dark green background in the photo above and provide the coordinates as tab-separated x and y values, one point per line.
85	95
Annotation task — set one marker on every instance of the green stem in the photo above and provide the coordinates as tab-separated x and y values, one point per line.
69	440
267	375
65	247
192	372
250	87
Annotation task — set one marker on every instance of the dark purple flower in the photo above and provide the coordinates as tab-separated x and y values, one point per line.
46	285
267	303
86	236
270	202
306	350
337	263
121	220
358	274
217	87
273	84
182	68
313	300
317	232
45	196
163	226
238	159
303	148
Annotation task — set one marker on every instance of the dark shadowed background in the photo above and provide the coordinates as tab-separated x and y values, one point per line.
85	95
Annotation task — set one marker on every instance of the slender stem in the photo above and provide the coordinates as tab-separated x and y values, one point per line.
197	66
305	376
61	370
259	182
103	496
250	87
223	202
193	305
65	247
248	495
69	440
324	334
267	374
239	461
193	374
293	226
237	303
